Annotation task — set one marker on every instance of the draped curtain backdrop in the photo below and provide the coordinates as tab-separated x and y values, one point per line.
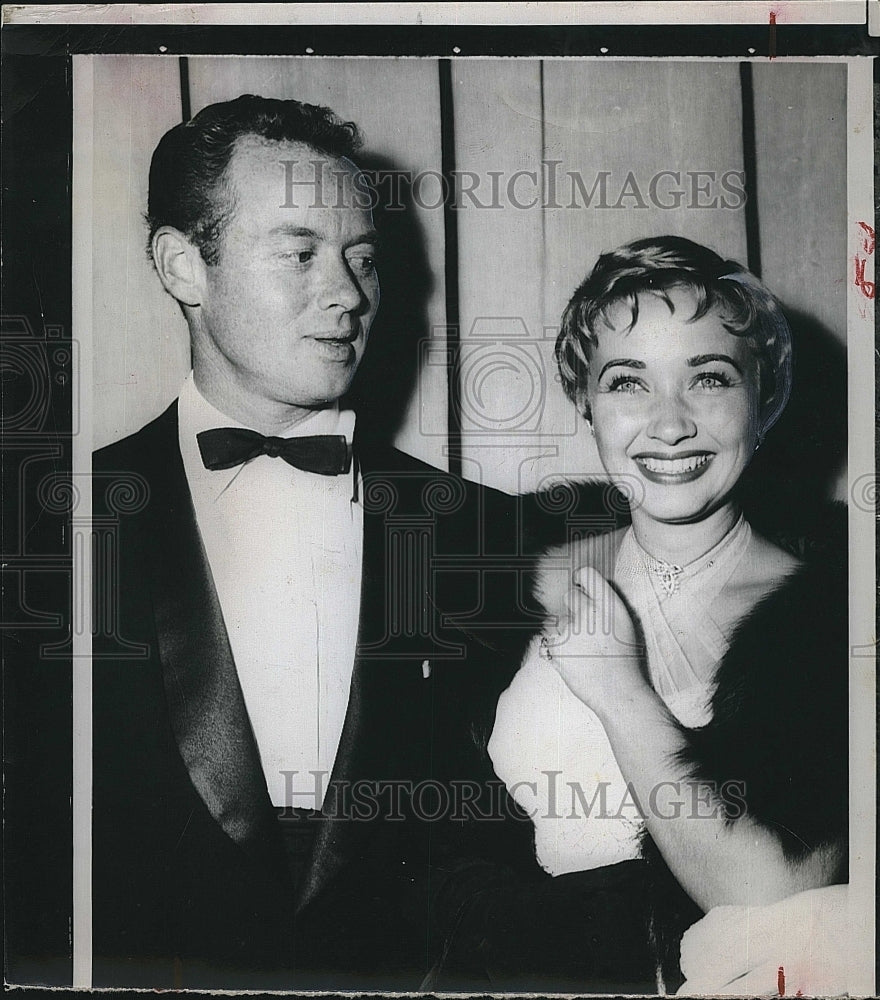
513	175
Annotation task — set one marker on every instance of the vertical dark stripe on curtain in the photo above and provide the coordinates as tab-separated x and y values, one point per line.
544	193
185	102
750	167
450	231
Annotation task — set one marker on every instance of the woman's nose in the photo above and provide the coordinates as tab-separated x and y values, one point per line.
671	420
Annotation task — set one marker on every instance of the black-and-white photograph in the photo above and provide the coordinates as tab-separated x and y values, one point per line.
471	528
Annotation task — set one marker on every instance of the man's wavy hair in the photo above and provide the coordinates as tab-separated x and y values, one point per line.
188	173
655	266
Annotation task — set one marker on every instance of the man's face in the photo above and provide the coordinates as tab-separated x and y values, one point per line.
285	312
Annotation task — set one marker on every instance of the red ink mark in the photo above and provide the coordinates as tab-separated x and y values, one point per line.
780	974
772	46
798	994
868	288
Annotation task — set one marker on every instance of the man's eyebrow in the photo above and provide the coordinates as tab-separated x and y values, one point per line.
623	363
303	232
706	359
370	236
299	232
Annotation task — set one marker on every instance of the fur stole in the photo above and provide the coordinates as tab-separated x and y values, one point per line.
780	724
780	711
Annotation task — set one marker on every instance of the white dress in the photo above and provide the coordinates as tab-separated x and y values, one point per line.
551	750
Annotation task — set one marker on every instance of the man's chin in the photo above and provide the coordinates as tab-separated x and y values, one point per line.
328	396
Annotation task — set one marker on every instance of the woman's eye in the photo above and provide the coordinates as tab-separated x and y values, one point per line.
712	380
624	383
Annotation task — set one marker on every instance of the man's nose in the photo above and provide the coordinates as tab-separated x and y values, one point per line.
671	420
339	287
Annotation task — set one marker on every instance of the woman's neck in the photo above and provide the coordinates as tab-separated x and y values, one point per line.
682	543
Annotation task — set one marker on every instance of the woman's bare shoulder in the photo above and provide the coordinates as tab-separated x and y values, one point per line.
764	568
772	560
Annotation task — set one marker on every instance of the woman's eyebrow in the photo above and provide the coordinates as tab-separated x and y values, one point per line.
705	359
622	363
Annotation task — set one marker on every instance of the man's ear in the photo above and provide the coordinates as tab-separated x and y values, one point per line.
179	265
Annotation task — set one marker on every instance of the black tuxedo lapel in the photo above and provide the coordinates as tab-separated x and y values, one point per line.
388	688
205	702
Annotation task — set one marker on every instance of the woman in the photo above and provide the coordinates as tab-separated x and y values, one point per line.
681	704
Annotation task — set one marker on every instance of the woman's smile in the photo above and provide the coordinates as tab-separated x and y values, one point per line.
674	469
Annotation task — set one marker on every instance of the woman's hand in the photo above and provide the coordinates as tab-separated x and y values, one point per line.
595	649
801	942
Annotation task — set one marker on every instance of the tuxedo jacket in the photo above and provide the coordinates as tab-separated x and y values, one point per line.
191	886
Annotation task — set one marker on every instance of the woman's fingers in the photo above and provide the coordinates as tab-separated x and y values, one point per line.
595	600
762	981
716	949
589	590
593	584
767	980
580	625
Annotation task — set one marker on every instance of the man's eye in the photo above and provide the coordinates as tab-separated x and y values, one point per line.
299	256
363	264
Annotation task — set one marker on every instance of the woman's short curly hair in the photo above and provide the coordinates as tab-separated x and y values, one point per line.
657	265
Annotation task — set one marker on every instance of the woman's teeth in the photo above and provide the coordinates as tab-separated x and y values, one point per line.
673	466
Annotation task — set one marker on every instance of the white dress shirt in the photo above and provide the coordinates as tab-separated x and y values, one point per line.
285	549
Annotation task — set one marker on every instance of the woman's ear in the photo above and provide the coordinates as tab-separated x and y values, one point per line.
179	265
583	405
587	414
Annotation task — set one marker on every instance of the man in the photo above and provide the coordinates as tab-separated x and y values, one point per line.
285	643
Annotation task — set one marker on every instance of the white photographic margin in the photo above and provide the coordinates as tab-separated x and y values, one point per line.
610	12
862	553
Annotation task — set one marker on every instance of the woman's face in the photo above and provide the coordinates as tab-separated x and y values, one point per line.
675	406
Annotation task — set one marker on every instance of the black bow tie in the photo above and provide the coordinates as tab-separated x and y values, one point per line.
226	447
